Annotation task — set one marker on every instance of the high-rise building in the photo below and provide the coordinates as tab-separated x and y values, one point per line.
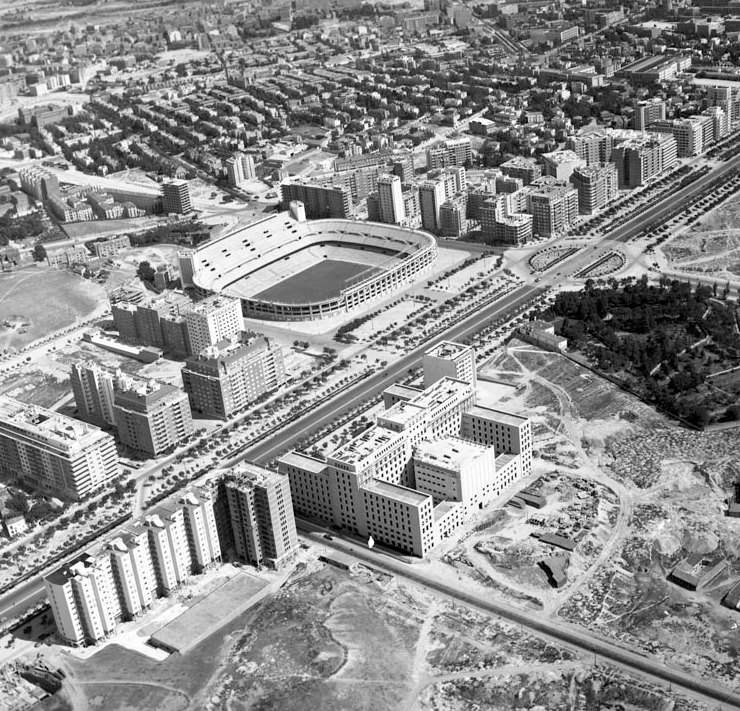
53	453
449	360
160	323
239	169
561	164
151	417
593	145
261	512
643	157
553	205
212	320
523	168
321	201
121	578
597	186
390	199
176	197
455	151
39	183
689	134
431	197
404	168
649	111
93	388
223	379
452	222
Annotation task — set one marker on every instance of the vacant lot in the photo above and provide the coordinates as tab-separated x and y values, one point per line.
47	300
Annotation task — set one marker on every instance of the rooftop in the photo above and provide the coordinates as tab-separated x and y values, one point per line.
507	418
365	445
447	349
396	492
566	156
442	391
297	459
402	412
450	452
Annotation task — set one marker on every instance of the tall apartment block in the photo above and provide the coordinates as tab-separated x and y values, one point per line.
368	486
431	198
261	512
561	164
594	145
553	205
151	417
53	453
523	168
390	200
213	320
223	379
649	111
457	151
160	323
320	201
643	157
404	168
449	360
507	433
121	578
39	183
239	169
176	197
93	388
597	186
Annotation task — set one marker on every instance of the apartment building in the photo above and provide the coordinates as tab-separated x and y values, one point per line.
239	169
412	478
261	514
597	186
320	201
456	469
93	388
54	453
689	134
215	319
176	197
594	145
431	198
225	378
150	417
561	164
506	432
455	151
649	111
553	205
640	158
525	169
449	360
122	577
390	200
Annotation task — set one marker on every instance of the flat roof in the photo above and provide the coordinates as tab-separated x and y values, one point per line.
298	459
402	412
441	391
447	349
394	491
444	508
365	444
508	418
451	452
209	613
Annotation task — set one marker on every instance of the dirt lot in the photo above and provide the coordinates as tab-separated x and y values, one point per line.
332	639
47	300
642	492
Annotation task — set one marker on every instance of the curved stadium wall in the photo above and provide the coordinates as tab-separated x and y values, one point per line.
247	262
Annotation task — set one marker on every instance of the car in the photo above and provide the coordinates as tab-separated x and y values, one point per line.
328	537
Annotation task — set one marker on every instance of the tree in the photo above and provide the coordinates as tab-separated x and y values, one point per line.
145	272
39	253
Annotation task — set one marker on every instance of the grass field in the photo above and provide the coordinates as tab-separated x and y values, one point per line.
47	300
320	281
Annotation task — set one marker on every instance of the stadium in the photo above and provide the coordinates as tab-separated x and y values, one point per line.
288	270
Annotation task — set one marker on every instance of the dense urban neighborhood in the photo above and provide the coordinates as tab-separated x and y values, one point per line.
369	355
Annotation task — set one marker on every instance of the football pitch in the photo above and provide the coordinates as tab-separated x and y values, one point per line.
317	283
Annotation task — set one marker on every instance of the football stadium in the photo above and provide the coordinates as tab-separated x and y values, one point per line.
288	270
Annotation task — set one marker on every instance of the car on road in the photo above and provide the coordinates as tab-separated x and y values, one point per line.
328	537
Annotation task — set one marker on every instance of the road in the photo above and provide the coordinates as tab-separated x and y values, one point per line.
556	630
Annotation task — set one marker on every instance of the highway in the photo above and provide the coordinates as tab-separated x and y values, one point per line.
556	630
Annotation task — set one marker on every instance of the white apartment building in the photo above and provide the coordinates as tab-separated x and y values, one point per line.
506	432
390	200
411	479
212	320
449	360
148	559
